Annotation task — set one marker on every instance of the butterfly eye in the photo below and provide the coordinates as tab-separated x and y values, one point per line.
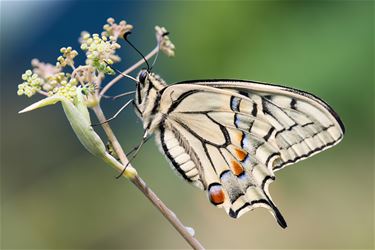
142	76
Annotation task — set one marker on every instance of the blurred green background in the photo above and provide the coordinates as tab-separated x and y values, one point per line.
56	195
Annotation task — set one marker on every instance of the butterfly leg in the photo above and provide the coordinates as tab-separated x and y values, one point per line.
136	149
123	94
117	113
120	73
118	96
111	151
107	96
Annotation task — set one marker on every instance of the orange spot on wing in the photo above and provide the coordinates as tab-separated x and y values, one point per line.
241	155
239	136
237	168
216	194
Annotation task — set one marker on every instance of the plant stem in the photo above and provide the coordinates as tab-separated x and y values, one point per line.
43	93
141	185
129	70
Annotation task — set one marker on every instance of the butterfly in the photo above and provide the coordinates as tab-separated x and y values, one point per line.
229	137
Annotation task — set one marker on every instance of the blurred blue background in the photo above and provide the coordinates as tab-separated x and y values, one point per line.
56	195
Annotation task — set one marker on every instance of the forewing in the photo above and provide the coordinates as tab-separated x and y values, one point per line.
302	124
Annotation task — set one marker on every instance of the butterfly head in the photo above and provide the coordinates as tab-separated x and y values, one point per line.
142	77
143	84
148	90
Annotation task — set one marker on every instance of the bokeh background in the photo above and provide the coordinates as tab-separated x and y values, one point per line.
56	195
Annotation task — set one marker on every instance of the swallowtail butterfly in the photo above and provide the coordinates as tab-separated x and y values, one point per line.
229	137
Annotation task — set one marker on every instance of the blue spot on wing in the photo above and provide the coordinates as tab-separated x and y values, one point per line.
235	103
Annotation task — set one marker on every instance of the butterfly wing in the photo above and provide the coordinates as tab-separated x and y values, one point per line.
303	124
229	140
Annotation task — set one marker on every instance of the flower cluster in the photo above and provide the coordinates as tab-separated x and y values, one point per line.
67	89
166	45
53	81
44	70
100	51
114	30
63	78
59	83
67	57
32	84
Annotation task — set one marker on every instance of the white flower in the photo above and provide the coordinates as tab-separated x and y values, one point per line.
166	45
100	51
114	30
32	84
44	70
67	58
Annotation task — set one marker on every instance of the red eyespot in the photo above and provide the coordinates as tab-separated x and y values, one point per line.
216	194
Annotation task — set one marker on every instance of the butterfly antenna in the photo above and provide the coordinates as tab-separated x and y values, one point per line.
126	39
159	43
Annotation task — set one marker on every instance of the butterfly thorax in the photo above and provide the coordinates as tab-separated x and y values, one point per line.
147	98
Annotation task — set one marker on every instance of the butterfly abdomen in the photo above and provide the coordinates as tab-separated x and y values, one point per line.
181	157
